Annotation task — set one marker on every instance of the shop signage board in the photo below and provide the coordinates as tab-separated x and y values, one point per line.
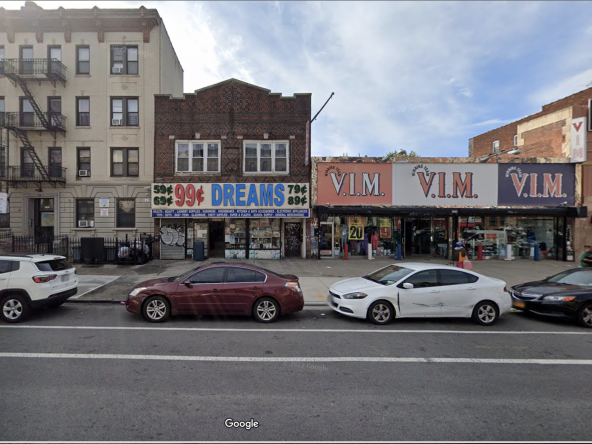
236	200
340	183
356	228
547	184
437	184
385	228
579	130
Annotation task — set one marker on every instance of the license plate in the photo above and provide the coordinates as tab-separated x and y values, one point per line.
65	277
517	304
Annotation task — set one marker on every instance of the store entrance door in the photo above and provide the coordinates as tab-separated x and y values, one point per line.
417	236
327	239
293	244
43	219
216	239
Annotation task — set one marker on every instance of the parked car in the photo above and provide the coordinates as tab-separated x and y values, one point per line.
565	295
218	289
421	290
34	281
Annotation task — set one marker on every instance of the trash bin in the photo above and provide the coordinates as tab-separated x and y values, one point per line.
76	254
110	254
198	251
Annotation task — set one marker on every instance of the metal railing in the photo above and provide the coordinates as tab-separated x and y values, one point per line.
52	69
55	121
123	251
29	173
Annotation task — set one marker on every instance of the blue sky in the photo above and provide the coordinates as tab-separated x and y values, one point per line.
420	76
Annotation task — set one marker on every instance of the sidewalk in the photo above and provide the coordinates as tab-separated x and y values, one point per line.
112	283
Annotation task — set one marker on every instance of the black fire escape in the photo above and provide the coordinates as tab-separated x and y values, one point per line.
19	72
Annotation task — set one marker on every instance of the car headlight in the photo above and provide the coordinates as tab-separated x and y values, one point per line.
135	291
559	298
355	295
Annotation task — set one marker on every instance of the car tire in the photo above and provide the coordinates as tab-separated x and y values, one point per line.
485	313
15	308
585	316
156	309
381	313
266	310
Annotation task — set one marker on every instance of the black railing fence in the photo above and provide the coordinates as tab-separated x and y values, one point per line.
130	251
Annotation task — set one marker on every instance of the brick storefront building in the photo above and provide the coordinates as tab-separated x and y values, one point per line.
232	170
547	136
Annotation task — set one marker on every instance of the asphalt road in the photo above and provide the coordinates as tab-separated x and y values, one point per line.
93	372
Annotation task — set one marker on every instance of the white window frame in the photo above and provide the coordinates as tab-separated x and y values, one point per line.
273	171
495	147
205	163
516	140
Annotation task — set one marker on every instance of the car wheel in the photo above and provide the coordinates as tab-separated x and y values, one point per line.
381	313
15	308
266	310
156	309
485	313
585	316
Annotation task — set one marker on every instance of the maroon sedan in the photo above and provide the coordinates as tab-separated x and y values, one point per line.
218	289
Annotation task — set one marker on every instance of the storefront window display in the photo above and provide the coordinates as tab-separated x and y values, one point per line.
235	238
264	238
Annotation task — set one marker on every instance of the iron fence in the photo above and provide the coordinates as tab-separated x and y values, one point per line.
124	251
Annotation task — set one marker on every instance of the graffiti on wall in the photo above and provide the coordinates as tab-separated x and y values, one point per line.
172	235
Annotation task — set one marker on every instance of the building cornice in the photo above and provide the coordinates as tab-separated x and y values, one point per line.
33	18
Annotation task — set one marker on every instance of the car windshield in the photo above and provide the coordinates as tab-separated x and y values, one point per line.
583	277
181	276
388	275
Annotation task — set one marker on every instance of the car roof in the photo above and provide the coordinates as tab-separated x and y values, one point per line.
426	266
34	257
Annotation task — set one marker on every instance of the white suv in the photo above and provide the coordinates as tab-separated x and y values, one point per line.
34	281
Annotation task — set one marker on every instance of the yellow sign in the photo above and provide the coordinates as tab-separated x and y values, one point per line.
356	228
385	228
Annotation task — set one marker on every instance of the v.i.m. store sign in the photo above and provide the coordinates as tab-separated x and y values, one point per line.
440	184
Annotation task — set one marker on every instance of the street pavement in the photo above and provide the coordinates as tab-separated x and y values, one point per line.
111	283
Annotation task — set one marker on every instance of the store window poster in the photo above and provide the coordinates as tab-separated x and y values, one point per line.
356	228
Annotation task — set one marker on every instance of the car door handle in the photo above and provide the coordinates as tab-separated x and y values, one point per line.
435	291
215	290
472	288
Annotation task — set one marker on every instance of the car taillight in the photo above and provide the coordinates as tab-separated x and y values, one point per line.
506	289
42	279
294	286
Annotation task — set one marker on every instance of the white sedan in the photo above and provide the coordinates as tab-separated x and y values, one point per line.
421	290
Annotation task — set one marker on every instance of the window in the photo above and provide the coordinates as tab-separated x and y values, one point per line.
5	266
54	111
428	278
2	110
82	111
451	277
266	157
208	276
197	157
83	163
85	213
124	111
27	165
126	213
124	59
496	146
236	275
55	162
82	60
516	140
26	64
54	59
1	58
125	162
2	161
27	113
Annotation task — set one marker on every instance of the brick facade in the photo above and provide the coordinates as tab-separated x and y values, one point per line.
226	111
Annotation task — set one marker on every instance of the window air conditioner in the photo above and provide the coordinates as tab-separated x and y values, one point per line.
82	223
116	70
91	223
115	122
82	173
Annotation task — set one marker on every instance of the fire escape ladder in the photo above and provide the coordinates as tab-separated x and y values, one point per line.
22	135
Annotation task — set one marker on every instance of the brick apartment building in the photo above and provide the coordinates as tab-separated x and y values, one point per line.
550	135
232	170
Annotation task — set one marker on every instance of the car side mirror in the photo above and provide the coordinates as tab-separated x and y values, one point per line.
187	283
408	286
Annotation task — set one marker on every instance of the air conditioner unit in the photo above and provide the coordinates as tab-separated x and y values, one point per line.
83	173
91	223
115	122
116	70
82	223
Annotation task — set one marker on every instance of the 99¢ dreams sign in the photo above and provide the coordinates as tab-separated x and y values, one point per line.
230	200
